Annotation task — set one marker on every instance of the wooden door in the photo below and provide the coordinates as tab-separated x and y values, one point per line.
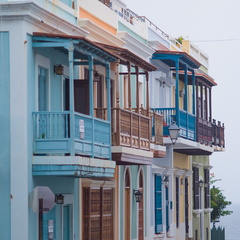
81	96
98	214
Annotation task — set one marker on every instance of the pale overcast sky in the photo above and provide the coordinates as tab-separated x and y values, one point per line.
204	21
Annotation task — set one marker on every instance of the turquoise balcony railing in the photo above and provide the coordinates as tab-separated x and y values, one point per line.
51	134
187	122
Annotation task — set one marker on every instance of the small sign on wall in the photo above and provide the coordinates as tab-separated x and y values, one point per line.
81	128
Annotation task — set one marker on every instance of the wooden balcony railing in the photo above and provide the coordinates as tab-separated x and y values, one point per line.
157	128
130	129
204	131
218	138
51	134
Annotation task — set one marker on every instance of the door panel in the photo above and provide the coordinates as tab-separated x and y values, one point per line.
81	96
66	222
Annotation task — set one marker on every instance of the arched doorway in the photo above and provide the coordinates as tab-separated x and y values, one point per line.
140	210
127	209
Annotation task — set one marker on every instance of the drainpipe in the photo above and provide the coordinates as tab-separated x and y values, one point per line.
71	99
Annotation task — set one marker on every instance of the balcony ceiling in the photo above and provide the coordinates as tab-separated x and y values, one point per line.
82	46
127	56
171	57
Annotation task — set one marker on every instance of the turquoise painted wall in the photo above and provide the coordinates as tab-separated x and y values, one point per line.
134	170
5	209
64	185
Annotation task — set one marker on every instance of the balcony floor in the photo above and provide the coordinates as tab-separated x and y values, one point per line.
74	166
189	147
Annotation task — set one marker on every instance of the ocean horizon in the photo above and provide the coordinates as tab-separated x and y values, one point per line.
231	223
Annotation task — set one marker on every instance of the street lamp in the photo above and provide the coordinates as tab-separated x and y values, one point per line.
201	183
174	132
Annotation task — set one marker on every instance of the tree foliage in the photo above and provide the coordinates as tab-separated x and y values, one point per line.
218	202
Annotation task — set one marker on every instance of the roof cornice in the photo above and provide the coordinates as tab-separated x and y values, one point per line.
45	20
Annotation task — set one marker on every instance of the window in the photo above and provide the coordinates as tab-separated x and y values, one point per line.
206	189
98	213
196	192
158	204
177	202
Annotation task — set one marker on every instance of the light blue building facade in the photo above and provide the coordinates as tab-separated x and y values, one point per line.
49	138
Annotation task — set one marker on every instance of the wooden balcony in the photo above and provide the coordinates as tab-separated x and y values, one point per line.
157	128
211	133
51	134
218	138
130	129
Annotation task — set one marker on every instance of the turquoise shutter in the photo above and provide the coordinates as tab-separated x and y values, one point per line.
42	89
158	204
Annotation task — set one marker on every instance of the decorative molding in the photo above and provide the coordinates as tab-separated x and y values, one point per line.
179	172
207	166
208	210
187	173
136	46
197	164
99	34
157	170
44	20
197	211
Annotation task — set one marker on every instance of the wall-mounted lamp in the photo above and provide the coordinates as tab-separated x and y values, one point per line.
138	195
96	77
200	183
59	198
181	93
162	83
58	69
166	180
174	132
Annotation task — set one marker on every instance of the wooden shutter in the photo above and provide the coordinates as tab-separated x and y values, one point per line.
42	89
206	188
107	214
158	204
196	190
